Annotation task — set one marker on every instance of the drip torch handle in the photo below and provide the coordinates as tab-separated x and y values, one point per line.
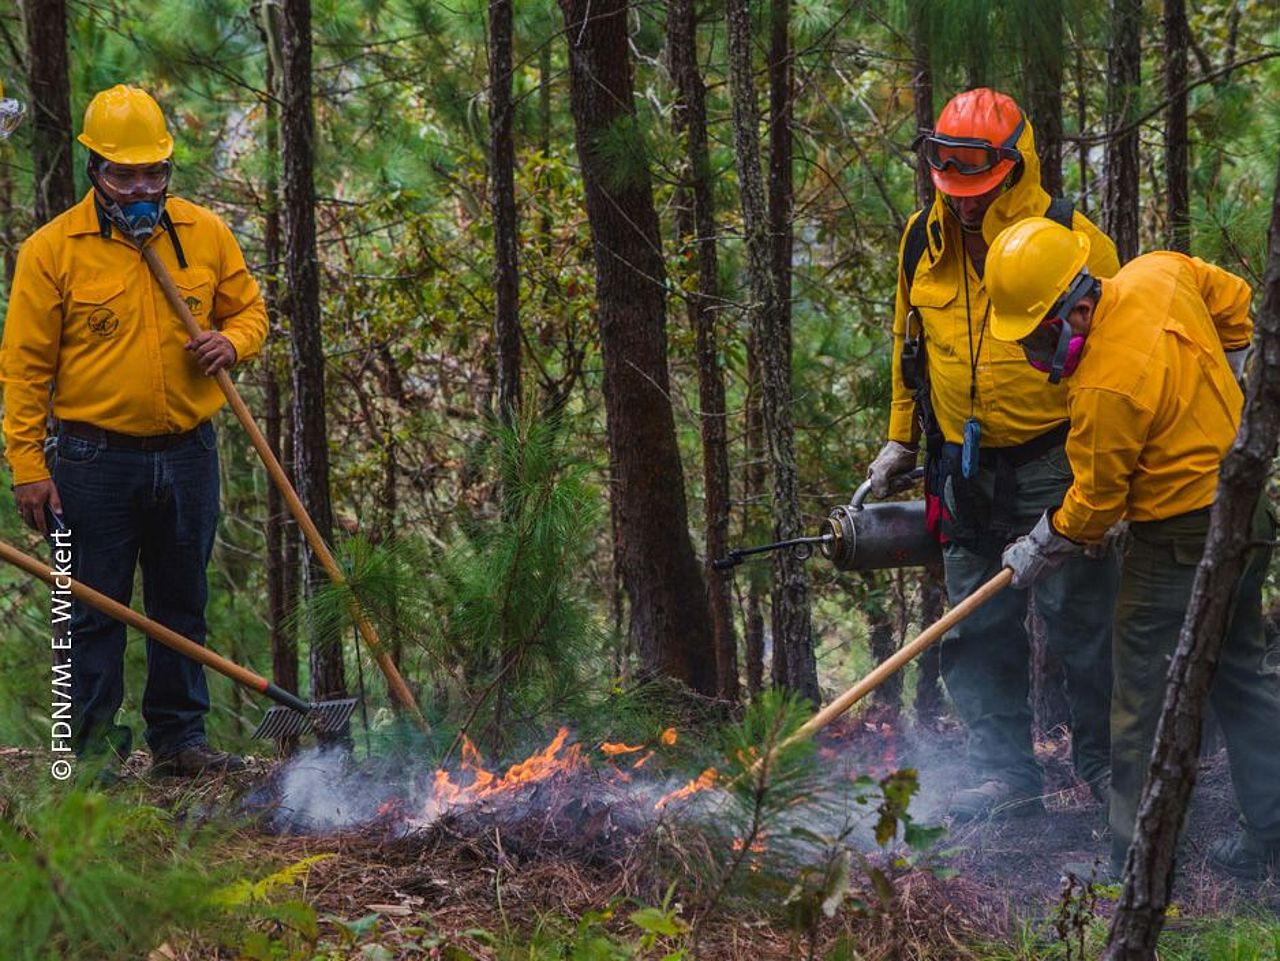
897	485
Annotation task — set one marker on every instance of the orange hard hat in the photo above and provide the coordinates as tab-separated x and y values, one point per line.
974	145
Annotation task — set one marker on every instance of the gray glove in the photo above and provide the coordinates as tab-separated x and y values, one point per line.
1236	361
1038	553
893	461
1114	541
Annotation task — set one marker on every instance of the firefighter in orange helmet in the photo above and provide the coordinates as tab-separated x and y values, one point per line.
994	432
1150	358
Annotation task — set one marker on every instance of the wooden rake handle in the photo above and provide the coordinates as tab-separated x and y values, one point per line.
395	682
128	615
875	678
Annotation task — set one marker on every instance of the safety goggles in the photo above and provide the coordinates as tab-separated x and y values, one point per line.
967	155
135	178
11	113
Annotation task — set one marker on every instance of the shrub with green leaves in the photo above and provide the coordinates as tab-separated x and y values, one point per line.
89	877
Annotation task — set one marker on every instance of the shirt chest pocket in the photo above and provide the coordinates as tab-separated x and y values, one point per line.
195	287
936	303
99	312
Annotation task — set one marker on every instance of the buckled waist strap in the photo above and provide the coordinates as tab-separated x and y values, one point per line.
111	438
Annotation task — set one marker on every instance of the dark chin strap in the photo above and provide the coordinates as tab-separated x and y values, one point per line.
1059	362
1081	287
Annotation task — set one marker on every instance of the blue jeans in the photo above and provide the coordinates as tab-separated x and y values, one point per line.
160	509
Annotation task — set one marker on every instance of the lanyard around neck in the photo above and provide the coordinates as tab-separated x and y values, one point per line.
968	320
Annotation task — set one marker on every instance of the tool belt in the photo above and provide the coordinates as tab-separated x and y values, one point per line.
967	516
110	438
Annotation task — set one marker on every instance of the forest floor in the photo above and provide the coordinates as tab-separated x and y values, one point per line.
475	878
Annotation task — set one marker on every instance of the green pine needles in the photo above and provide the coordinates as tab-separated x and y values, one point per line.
493	620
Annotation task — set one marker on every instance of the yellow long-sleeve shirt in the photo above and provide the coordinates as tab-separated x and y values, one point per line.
1013	401
87	317
1154	406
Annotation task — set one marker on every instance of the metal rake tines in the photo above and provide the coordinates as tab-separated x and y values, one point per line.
324	716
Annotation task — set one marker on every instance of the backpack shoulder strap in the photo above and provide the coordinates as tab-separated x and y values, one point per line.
913	246
1061	210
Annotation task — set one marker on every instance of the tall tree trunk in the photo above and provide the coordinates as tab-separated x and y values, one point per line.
698	223
670	625
1148	874
794	666
311	440
753	496
502	200
1082	120
929	701
1176	146
1124	79
55	185
1043	49
8	225
922	92
882	616
282	564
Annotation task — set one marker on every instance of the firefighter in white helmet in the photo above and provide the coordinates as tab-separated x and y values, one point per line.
1150	359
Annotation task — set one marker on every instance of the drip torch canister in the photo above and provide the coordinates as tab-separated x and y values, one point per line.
870	537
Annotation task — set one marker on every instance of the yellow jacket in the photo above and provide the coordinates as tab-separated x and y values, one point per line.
86	315
1154	406
1014	402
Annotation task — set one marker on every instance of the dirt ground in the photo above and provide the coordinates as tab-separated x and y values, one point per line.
504	868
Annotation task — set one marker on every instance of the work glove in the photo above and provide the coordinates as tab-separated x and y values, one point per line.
893	461
1236	361
1039	553
1116	540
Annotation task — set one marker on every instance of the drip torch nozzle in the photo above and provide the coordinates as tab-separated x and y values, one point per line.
801	546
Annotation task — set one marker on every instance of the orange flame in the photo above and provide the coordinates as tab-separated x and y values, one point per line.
537	767
703	781
619	748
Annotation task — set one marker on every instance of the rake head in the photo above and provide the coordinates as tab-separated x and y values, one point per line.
322	717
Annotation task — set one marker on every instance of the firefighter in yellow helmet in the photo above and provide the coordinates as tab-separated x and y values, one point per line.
1150	360
994	434
11	113
130	477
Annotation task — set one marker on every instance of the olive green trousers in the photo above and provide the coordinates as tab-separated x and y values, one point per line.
1158	570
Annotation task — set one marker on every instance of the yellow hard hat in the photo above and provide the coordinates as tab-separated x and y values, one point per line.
1029	266
11	112
125	126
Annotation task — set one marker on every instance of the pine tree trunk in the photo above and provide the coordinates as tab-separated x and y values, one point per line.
1148	875
882	636
1124	94
929	701
698	223
1042	51
1176	146
502	201
1082	120
311	441
281	562
670	624
794	666
922	92
55	185
753	497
